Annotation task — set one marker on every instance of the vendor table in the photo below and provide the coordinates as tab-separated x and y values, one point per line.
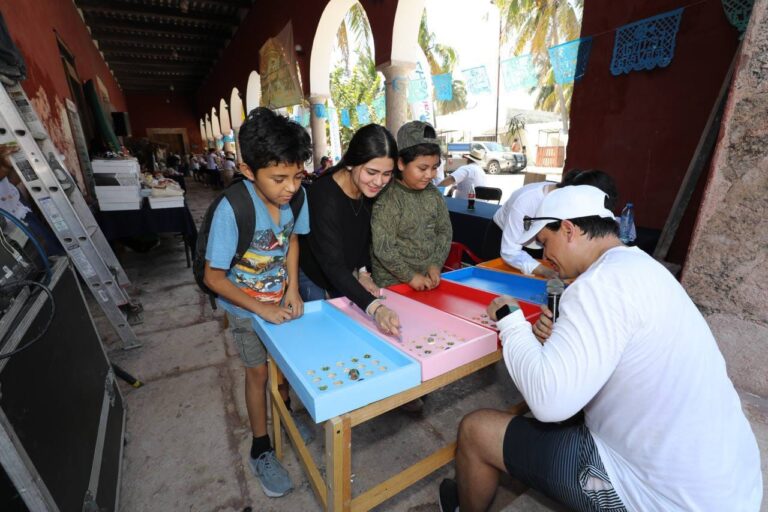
470	226
131	223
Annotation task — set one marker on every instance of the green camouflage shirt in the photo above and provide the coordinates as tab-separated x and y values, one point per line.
411	231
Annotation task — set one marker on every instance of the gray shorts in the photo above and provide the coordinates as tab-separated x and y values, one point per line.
249	345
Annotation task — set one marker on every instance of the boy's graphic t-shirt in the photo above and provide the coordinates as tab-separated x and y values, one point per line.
262	272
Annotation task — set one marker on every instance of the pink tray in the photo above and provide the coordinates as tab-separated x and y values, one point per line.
439	341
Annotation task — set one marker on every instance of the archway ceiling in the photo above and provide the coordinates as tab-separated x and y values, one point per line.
151	45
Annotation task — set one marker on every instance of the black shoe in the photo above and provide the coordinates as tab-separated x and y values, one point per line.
449	495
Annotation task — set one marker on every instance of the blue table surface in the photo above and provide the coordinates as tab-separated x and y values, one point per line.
502	283
482	209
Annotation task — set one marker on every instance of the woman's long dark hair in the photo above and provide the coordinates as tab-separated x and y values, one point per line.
369	142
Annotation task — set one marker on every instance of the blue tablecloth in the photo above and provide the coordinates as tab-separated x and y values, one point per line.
475	228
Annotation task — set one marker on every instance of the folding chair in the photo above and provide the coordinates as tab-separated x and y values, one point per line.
488	194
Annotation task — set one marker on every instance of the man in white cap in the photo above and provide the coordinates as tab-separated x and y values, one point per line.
663	427
467	176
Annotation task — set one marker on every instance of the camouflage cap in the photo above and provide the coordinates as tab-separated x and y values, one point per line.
414	133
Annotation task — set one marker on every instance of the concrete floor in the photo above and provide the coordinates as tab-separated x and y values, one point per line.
187	427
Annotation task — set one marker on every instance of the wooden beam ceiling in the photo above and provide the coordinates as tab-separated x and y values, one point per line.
152	43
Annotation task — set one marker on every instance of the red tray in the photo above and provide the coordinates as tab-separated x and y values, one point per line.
463	302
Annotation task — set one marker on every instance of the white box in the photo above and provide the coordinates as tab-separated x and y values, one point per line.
118	165
112	194
116	179
121	205
157	203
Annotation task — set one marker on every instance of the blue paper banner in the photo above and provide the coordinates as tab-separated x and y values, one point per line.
646	44
345	121
319	110
305	119
738	12
363	115
518	73
569	60
443	86
477	80
380	107
417	90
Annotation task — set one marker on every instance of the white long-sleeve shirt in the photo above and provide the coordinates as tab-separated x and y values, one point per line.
524	201
632	349
466	177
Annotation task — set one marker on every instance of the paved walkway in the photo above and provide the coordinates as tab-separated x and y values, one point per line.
187	427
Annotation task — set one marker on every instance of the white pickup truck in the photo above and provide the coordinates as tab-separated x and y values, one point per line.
496	158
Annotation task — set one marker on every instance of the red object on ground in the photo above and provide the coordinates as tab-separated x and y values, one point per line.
463	302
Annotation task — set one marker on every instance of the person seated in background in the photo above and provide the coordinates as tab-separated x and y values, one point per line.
663	428
410	225
525	201
467	176
325	163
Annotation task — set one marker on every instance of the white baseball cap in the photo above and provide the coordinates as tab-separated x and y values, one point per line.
570	202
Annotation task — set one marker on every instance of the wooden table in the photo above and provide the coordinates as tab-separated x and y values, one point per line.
335	493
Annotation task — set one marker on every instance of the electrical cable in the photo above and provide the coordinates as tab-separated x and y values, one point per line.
47	324
34	241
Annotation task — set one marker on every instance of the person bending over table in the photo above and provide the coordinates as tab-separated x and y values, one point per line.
525	201
663	427
335	255
410	223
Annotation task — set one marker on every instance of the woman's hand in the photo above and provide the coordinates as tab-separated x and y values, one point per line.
366	280
387	320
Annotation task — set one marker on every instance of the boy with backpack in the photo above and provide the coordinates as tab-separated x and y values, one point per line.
253	263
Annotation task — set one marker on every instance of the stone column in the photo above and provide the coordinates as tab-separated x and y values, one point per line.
396	75
319	141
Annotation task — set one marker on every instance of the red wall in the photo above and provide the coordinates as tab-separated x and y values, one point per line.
262	22
164	111
643	127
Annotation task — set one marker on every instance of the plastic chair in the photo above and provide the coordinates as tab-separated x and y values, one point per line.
456	255
488	194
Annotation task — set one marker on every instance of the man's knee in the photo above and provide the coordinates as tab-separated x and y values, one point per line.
472	426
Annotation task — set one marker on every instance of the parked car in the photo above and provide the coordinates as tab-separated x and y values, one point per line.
496	158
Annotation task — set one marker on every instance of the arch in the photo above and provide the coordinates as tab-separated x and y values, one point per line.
208	128
203	134
322	45
252	92
226	127
235	109
405	31
215	126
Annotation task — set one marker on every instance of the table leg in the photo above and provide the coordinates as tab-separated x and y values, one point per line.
275	379
338	463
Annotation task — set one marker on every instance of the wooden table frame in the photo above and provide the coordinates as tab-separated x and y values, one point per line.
335	493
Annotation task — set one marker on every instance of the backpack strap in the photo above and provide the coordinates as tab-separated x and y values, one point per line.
245	216
297	201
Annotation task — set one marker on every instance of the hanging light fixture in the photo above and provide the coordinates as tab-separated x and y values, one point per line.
184	6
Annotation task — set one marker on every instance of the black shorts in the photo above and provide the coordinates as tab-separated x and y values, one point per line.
560	460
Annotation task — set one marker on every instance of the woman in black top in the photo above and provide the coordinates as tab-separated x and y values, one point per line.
335	256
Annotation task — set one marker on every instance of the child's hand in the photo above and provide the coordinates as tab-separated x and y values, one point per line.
433	273
274	313
420	282
293	302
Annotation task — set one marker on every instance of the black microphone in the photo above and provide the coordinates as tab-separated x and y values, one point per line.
555	288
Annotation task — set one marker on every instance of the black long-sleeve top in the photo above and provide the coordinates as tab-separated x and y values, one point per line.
338	242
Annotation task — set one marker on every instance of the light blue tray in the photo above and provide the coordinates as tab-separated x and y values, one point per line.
502	283
326	338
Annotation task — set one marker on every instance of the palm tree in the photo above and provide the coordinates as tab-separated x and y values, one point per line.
356	25
540	24
442	59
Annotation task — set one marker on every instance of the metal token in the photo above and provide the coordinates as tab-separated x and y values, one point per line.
325	368
323	388
354	374
382	368
354	359
338	383
310	372
367	356
316	379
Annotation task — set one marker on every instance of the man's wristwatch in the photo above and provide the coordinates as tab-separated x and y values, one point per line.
504	311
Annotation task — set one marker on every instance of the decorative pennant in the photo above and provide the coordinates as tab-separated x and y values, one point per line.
646	44
477	80
417	90
363	115
569	60
345	121
738	12
319	110
443	86
305	120
518	73
380	107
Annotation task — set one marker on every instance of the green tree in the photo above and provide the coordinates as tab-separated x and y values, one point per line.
538	25
348	90
442	59
355	27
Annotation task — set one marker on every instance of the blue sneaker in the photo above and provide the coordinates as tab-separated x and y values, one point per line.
305	430
273	477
